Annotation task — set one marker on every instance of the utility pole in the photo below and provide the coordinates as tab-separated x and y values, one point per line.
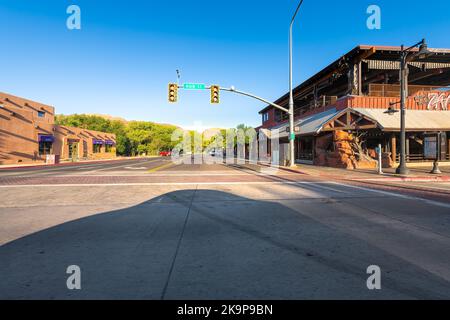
291	96
402	169
404	59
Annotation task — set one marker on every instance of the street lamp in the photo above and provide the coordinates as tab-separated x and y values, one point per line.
404	59
291	96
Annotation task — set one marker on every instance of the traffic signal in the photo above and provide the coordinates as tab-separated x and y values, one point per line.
173	92
215	97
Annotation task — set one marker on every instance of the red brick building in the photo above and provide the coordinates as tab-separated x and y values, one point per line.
342	108
28	134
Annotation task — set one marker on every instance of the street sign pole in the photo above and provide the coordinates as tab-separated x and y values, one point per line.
291	96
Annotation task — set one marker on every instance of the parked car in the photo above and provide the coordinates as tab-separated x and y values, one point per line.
165	153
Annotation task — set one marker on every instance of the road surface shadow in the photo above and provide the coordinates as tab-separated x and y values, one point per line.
222	247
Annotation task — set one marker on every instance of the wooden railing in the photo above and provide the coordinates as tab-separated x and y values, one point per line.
321	103
393	90
418	157
304	156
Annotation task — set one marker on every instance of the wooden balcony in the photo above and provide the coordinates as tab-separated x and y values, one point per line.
393	90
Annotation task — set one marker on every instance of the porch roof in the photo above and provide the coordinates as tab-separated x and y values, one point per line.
309	125
365	118
421	120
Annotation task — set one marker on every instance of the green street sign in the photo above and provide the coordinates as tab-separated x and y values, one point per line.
194	86
292	136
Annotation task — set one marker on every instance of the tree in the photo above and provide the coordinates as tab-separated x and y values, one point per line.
132	138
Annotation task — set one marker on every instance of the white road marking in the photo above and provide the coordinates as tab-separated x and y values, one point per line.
124	165
330	188
393	194
79	166
163	184
318	184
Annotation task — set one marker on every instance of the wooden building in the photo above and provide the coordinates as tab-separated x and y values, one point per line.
340	112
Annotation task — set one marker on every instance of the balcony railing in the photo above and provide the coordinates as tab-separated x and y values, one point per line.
393	90
418	157
320	103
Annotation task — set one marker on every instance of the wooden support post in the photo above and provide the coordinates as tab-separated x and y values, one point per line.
448	149
393	148
407	149
360	85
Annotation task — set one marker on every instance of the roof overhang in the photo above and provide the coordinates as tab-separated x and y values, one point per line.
352	119
416	120
330	120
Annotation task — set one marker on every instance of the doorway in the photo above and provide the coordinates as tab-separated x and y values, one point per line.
73	151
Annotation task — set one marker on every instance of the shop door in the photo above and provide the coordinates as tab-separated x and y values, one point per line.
73	151
85	149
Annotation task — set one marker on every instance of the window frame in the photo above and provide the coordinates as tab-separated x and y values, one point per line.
45	146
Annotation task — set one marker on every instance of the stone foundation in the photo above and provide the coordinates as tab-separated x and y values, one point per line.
335	150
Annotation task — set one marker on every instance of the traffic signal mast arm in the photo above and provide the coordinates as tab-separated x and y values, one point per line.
255	97
233	90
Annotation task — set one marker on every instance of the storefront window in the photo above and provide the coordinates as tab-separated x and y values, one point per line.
107	148
97	148
45	148
45	144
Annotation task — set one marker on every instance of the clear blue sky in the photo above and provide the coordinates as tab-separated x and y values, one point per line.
121	60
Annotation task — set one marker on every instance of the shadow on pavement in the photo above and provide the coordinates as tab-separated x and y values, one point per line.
205	244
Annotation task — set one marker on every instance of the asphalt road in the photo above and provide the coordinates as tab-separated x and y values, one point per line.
148	229
127	166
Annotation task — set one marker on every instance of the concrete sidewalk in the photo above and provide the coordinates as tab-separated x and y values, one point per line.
416	174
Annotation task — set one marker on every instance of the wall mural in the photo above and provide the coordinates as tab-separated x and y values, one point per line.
434	100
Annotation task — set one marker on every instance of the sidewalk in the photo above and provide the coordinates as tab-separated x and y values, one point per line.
420	174
419	180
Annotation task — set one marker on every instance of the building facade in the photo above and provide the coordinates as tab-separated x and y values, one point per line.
342	112
28	134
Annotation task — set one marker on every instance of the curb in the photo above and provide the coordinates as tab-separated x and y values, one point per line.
405	187
387	179
409	179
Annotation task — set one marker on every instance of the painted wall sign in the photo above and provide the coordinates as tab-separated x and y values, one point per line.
109	142
434	100
438	101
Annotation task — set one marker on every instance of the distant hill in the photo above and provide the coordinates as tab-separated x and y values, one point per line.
107	116
114	118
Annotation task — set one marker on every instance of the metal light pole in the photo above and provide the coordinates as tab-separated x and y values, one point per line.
402	169
291	96
423	51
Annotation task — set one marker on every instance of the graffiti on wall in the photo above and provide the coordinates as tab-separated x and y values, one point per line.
433	100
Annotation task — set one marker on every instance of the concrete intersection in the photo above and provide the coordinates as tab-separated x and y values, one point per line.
145	229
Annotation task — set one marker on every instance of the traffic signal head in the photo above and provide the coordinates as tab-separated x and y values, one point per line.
173	92
215	97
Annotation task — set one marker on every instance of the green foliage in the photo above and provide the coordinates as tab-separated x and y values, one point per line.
135	137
